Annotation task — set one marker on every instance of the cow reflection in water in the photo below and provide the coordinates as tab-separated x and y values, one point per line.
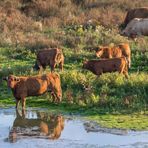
44	126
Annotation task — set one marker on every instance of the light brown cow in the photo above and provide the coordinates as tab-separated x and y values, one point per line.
136	27
116	51
23	87
49	57
99	67
136	13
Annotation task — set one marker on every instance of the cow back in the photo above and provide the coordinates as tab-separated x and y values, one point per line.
136	13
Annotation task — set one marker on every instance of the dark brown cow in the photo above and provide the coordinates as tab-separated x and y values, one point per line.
115	52
136	13
23	87
48	126
99	67
49	57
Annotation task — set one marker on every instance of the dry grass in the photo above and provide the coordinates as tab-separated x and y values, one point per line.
22	18
108	12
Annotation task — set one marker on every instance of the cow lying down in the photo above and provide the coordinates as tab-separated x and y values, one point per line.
99	67
23	87
136	27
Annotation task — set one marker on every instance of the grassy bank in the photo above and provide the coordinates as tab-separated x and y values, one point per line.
111	100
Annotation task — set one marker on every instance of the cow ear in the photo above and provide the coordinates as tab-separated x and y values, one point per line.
99	47
85	61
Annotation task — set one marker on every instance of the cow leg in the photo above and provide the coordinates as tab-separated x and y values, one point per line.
126	74
23	103
23	112
129	62
61	66
125	71
53	65
40	66
41	69
54	97
121	69
17	103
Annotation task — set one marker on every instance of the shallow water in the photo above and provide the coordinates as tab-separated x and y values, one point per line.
39	128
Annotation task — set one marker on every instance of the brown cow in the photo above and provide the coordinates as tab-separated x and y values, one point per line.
48	126
99	67
136	13
115	52
49	57
23	87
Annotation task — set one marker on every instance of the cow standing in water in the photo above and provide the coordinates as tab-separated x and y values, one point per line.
99	67
23	87
49	57
115	52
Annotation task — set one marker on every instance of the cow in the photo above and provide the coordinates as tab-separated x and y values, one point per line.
118	51
23	87
136	13
99	67
48	126
136	27
49	57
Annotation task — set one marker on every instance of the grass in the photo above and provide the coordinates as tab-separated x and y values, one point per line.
110	100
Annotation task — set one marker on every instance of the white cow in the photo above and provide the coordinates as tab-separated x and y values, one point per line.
136	27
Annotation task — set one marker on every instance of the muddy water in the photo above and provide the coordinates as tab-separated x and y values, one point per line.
39	128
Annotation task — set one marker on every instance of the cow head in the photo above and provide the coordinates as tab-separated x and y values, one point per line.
124	33
36	67
85	64
56	90
101	52
11	80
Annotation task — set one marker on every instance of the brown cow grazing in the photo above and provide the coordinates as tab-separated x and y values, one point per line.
49	57
23	87
99	67
115	52
136	13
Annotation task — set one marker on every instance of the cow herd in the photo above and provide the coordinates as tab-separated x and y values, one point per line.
136	22
112	59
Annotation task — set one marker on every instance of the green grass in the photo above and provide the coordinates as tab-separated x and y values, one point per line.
135	121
